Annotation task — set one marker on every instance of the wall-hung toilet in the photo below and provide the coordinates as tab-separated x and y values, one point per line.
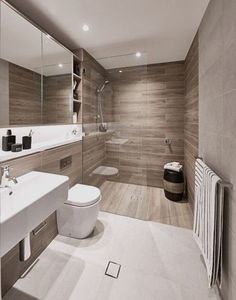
78	215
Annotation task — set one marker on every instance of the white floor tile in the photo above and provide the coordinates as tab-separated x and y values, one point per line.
157	262
134	285
133	245
180	255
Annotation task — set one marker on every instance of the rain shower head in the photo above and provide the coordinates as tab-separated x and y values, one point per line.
102	87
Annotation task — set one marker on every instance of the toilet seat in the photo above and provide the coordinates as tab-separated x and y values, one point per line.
82	195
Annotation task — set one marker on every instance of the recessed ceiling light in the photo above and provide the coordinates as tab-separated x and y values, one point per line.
85	27
60	65
138	54
120	71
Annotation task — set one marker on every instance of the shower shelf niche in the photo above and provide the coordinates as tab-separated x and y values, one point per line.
77	90
78	77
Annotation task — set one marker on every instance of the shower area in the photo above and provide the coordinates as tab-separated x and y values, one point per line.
130	110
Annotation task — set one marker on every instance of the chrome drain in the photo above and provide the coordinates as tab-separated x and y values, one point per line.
113	269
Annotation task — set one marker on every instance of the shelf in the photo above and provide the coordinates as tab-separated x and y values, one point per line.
77	90
76	76
76	59
76	106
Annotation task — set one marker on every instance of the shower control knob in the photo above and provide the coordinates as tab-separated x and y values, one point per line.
167	141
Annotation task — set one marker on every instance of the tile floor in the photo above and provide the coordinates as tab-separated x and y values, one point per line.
145	203
158	262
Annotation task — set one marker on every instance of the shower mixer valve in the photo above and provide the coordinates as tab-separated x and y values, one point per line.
167	141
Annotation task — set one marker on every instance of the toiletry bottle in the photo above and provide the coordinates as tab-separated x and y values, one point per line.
8	140
27	140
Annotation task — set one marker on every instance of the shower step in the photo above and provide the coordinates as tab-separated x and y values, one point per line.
105	171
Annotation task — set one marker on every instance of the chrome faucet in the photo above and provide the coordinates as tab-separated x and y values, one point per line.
6	178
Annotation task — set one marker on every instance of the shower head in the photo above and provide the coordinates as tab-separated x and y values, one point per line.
102	87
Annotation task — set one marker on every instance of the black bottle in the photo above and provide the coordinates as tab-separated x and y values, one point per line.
8	140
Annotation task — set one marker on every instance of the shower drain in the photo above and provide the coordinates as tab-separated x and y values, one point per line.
113	269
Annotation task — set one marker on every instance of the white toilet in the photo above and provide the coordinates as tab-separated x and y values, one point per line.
78	215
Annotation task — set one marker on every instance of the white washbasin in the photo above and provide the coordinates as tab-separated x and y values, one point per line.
34	198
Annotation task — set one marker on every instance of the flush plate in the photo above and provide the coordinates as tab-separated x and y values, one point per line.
65	162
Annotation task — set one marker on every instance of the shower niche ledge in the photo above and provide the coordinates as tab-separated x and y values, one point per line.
117	141
105	171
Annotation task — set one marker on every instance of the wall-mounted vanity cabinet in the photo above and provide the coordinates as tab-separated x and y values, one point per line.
36	75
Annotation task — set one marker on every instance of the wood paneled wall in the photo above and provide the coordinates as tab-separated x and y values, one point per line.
51	162
21	98
48	161
93	77
4	93
24	96
57	99
148	107
94	155
191	117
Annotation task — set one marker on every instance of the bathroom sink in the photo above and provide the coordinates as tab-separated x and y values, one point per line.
34	198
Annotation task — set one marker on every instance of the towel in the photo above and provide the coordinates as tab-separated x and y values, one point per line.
208	219
173	166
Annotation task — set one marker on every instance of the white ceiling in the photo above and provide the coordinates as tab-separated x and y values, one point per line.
162	29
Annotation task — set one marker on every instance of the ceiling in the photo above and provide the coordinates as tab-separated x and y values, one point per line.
161	29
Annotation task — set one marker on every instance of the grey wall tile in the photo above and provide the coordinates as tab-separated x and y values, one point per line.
217	116
229	114
229	66
229	22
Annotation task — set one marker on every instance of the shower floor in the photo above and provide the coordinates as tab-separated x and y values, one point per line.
145	203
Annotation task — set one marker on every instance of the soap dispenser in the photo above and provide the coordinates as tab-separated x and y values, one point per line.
8	140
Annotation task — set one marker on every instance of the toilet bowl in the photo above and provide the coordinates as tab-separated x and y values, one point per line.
78	215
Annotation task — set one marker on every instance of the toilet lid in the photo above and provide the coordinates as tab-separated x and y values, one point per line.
83	195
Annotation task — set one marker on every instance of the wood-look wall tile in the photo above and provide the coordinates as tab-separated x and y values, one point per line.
51	161
24	96
191	117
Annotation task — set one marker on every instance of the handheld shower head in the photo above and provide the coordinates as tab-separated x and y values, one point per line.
102	87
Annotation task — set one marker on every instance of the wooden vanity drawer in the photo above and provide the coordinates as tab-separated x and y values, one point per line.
11	266
43	234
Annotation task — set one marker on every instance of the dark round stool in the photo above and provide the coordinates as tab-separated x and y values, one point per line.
174	185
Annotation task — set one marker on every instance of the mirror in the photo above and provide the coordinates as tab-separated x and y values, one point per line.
57	83
35	74
20	69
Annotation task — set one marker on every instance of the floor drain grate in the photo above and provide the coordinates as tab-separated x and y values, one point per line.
113	269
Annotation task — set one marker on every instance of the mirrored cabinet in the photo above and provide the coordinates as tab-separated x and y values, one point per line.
40	80
57	91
